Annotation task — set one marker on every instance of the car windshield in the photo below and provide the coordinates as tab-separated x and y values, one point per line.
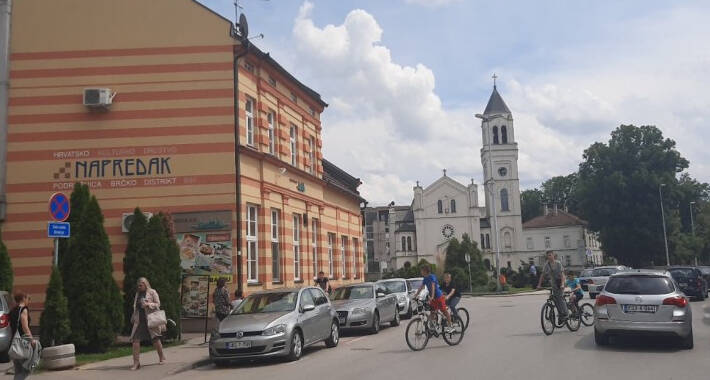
414	284
603	272
268	303
394	286
586	273
682	273
705	270
640	285
353	293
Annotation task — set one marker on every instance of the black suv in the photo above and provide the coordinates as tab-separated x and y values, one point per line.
690	280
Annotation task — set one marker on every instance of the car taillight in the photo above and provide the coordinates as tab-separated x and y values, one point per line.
4	320
676	301
605	300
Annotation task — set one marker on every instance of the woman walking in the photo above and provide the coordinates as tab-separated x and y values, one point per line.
20	319
221	299
145	302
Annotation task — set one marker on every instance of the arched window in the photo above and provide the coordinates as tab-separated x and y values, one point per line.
440	206
504	200
404	245
488	241
487	263
453	206
409	243
504	134
508	239
483	241
495	135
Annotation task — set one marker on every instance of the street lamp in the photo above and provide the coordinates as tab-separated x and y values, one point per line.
468	261
663	221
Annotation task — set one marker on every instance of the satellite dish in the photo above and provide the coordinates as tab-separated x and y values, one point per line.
243	26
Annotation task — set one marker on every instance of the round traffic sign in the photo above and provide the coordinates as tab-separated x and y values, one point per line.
59	207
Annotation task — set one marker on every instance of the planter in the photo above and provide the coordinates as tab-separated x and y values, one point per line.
58	357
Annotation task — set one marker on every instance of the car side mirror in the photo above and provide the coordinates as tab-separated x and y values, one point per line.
308	307
380	294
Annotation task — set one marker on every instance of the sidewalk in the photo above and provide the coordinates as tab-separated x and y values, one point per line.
179	358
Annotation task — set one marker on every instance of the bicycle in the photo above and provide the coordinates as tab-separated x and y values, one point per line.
550	321
585	312
421	328
463	314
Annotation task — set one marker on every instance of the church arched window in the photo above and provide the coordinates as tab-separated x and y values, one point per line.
409	243
404	246
440	206
483	241
508	239
488	241
504	134
495	135
504	200
453	206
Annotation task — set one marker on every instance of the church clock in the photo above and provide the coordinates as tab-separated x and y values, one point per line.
447	231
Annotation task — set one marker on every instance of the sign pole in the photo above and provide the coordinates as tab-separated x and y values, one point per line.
56	252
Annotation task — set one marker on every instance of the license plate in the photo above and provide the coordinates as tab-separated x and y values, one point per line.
232	345
341	320
640	308
683	284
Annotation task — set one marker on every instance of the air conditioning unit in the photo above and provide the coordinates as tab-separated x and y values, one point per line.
127	220
98	97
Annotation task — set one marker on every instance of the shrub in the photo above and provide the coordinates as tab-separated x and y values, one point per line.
6	275
54	325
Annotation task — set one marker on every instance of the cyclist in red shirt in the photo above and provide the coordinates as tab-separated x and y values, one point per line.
436	297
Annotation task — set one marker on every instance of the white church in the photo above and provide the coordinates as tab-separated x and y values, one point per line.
446	209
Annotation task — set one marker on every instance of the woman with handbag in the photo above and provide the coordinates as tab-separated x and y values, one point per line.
20	319
148	321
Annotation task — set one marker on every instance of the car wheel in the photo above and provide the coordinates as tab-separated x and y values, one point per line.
409	312
334	337
600	339
296	347
375	328
688	341
395	321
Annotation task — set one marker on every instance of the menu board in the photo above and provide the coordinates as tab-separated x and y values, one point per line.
205	252
194	296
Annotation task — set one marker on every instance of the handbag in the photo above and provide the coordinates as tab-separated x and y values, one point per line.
20	348
156	319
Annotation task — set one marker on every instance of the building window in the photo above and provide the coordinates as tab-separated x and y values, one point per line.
356	255
272	133
311	155
409	243
504	134
250	121
504	200
495	135
440	206
272	81
568	260
453	206
343	263
296	247
294	152
547	242
252	244
507	239
488	241
311	111
568	243
331	242
294	98
275	257
530	243
249	66
483	241
404	243
314	246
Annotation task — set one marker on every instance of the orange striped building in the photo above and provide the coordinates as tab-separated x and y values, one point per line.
167	143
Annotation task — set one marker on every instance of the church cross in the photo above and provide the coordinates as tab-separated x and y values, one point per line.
444	172
494	79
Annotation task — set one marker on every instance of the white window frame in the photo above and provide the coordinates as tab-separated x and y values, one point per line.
530	243
293	133
252	243
311	155
275	274
331	241
297	247
356	245
272	132
249	110
314	246
548	242
567	241
343	263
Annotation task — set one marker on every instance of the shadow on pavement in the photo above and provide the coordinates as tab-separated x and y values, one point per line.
630	344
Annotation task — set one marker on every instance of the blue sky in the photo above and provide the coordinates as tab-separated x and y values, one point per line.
404	78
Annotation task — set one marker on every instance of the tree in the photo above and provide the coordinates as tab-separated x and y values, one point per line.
456	260
54	322
94	298
531	204
173	273
560	190
78	200
617	190
6	275
136	263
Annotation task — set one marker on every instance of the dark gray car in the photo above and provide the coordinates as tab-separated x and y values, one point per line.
5	333
275	323
365	306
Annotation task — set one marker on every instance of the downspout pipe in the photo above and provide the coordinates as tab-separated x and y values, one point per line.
5	16
237	160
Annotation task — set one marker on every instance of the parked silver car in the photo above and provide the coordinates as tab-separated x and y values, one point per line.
275	323
365	306
5	331
599	277
643	303
400	289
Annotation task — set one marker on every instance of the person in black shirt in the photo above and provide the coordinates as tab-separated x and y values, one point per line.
453	295
322	282
20	320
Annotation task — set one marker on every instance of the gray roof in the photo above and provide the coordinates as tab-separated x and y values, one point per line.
496	105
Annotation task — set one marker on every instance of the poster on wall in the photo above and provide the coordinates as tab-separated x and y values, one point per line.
194	296
205	253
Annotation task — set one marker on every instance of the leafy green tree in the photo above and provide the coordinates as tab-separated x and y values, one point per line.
617	191
94	298
6	275
54	325
531	204
560	190
78	200
456	259
137	262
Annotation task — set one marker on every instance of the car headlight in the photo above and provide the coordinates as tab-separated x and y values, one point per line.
359	310
274	330
401	298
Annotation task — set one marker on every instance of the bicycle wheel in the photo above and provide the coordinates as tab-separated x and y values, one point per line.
547	319
463	314
573	322
587	314
454	337
416	335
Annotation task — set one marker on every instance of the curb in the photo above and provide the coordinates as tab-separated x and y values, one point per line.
191	366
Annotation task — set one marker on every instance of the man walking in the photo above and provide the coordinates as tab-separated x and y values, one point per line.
556	273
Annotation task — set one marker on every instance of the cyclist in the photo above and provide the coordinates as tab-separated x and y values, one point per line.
452	293
554	270
437	301
575	288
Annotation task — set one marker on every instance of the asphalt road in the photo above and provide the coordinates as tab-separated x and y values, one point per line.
504	341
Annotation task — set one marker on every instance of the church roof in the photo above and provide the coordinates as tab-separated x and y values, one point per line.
496	105
559	219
